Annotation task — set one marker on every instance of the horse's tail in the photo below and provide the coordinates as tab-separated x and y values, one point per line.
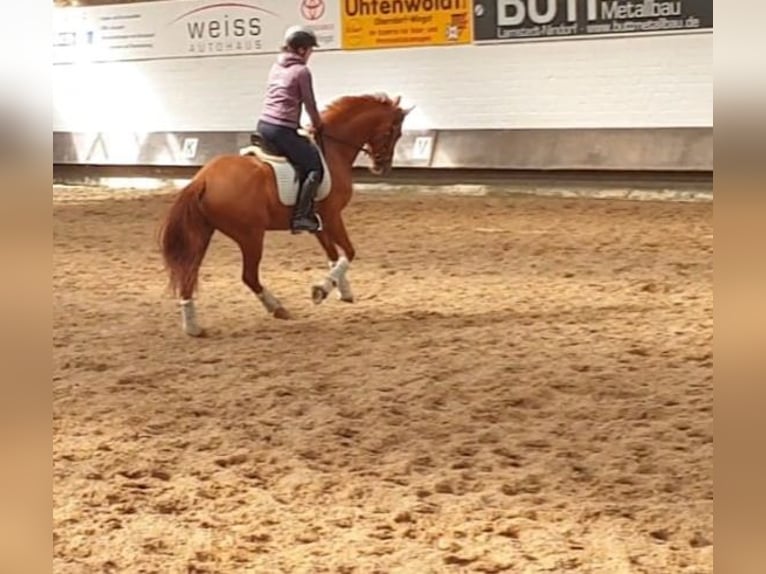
184	238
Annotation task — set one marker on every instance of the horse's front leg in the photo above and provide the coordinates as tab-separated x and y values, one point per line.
344	287
340	237
336	277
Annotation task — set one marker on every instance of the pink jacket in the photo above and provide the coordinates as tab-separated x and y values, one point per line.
289	86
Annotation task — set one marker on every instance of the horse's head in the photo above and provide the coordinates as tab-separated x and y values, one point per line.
373	123
386	131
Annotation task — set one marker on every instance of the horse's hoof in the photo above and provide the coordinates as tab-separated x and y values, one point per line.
318	294
281	313
346	299
196	332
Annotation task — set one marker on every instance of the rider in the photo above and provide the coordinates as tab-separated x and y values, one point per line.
290	86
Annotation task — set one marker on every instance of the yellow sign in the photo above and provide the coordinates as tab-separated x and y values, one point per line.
399	23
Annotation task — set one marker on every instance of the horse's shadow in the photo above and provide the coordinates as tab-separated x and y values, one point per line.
362	325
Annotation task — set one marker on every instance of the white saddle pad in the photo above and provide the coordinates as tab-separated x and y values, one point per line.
287	182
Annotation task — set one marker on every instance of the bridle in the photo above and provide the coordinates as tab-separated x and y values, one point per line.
365	147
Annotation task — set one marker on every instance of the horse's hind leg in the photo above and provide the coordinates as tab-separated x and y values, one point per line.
186	291
252	250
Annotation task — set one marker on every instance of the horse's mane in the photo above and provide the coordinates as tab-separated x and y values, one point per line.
350	104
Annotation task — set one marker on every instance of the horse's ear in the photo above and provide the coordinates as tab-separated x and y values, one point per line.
397	99
406	111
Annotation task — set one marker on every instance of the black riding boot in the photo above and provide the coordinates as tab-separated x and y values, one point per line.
304	218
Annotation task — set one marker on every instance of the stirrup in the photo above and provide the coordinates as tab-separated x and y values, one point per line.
320	225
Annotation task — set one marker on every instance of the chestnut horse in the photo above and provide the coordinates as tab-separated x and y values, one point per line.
238	195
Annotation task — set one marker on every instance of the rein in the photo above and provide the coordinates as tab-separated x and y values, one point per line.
322	135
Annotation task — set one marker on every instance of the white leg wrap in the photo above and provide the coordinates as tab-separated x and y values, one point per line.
335	277
344	287
189	318
270	302
338	271
327	284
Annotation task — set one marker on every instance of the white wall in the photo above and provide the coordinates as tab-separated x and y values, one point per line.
650	81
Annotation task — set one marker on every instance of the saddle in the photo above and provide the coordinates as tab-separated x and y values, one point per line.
285	173
258	141
263	149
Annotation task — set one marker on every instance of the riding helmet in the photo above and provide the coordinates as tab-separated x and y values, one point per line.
298	37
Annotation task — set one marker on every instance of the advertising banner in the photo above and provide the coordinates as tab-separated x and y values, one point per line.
522	20
186	29
369	24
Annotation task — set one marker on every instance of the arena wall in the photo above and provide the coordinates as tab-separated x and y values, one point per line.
637	102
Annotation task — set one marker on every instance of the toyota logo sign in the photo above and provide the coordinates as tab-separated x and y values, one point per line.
312	9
